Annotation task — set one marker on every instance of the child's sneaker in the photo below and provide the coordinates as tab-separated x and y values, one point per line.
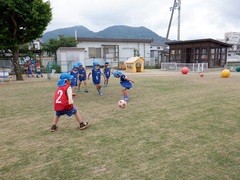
78	90
54	128
86	90
83	125
125	98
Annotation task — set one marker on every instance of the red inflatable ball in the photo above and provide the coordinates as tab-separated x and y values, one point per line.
185	70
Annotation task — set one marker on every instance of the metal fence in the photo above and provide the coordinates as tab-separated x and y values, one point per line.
6	66
194	67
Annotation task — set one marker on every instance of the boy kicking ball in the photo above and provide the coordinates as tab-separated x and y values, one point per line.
125	82
63	102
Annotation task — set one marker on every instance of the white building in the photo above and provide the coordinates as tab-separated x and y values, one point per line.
233	38
115	51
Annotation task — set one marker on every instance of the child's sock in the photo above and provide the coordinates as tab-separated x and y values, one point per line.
100	92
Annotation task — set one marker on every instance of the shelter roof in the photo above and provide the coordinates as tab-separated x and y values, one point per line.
132	59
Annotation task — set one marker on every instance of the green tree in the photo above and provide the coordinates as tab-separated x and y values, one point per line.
53	44
22	21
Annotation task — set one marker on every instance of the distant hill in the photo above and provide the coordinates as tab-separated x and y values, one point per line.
70	31
118	31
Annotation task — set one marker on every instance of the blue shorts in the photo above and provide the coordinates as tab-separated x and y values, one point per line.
74	83
67	112
82	78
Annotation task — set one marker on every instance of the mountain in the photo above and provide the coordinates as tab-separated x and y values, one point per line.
70	31
118	31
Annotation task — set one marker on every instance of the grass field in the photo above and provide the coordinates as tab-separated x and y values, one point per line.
174	127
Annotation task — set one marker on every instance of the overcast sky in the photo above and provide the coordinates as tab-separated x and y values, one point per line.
199	18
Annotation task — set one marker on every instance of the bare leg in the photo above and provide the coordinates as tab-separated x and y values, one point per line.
82	124
85	84
55	120
124	90
54	123
125	94
78	117
98	86
79	84
74	89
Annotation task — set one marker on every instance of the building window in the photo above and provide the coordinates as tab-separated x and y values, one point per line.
212	56
223	56
94	52
172	55
129	65
196	55
203	54
178	54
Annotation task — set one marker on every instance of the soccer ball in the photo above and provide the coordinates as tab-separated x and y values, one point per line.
122	103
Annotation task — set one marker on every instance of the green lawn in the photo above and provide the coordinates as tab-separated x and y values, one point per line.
174	127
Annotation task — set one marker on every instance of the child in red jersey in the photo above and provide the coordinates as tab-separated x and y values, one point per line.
63	102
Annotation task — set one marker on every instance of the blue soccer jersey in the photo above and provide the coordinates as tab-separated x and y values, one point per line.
107	71
96	76
124	82
82	74
75	77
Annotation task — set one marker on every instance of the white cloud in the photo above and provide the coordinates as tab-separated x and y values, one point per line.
199	19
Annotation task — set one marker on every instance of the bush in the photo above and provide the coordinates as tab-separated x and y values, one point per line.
57	68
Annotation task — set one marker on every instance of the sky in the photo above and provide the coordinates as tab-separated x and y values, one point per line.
199	19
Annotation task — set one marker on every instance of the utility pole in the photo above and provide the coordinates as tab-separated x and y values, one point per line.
179	15
176	5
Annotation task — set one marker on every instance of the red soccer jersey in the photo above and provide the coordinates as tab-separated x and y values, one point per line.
61	99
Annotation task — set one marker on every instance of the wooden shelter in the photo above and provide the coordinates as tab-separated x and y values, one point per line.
208	51
134	64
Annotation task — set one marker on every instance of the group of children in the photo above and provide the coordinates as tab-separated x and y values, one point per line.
70	82
29	69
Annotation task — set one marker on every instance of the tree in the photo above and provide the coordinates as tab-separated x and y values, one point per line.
22	21
53	44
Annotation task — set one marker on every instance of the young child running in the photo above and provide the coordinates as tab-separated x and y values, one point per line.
63	102
74	81
125	82
82	77
39	72
96	77
107	72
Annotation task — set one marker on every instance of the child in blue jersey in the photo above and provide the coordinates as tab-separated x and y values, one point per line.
82	77
107	72
96	76
125	82
29	70
74	81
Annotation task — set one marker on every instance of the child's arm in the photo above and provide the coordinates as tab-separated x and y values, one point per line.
70	94
130	80
89	75
104	75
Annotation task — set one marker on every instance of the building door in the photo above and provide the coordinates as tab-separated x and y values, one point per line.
188	55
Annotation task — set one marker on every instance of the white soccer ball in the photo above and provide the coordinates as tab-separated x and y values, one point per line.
122	103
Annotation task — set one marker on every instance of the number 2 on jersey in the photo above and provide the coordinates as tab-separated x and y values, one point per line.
58	100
